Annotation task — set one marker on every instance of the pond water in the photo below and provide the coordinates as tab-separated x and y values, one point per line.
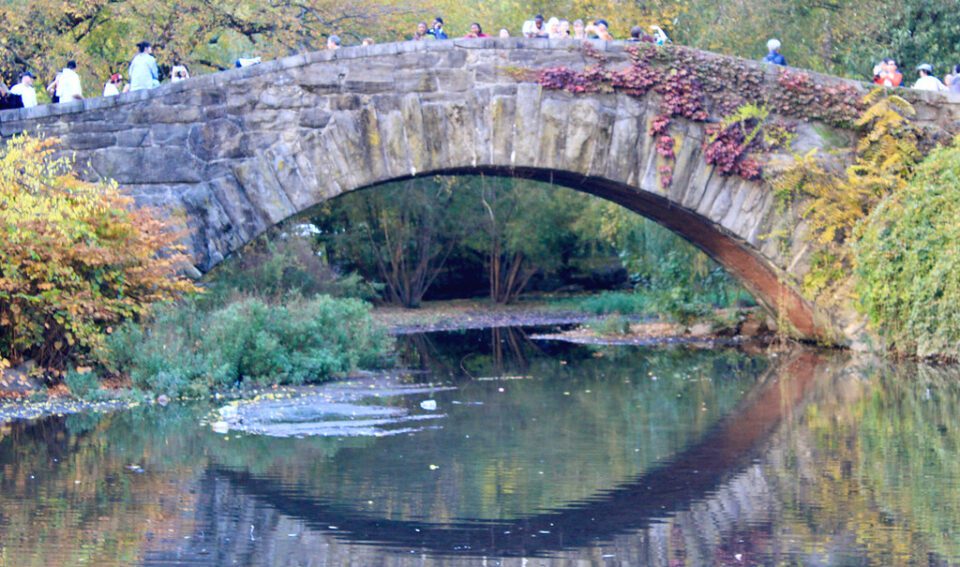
506	451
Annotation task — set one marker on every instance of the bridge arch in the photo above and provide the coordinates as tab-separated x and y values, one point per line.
240	151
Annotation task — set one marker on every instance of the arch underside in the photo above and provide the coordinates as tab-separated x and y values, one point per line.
759	276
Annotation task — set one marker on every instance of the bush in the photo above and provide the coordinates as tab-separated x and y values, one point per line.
275	265
75	257
908	261
616	302
186	351
83	385
612	325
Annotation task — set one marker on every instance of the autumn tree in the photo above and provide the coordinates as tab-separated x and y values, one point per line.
75	258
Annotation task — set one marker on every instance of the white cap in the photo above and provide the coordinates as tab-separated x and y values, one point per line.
773	45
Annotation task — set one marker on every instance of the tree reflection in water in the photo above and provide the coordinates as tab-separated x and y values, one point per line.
822	460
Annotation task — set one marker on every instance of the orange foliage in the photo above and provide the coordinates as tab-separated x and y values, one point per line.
75	257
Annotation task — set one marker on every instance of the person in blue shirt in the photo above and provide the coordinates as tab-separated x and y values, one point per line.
144	73
773	53
437	30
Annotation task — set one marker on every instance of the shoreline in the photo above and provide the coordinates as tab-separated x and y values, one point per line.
26	398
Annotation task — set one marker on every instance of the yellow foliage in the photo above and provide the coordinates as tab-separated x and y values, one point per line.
886	156
75	256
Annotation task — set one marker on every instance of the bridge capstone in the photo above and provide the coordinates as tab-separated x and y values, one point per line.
234	153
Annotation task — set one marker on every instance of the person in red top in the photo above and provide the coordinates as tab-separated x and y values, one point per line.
476	31
888	75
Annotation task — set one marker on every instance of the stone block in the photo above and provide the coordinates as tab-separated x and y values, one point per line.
147	165
526	142
314	118
263	190
502	119
132	137
218	139
554	112
90	141
169	134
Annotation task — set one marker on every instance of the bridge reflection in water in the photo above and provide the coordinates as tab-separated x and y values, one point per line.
704	494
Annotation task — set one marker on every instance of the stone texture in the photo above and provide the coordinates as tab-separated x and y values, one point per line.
239	151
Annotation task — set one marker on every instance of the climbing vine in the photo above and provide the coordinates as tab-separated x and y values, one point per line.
689	84
836	203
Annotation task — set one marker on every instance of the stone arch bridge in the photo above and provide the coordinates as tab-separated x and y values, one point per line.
240	151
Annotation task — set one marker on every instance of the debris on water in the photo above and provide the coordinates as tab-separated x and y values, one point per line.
434	467
334	410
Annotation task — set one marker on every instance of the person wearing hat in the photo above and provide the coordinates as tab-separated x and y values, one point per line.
437	30
600	29
927	82
25	90
112	88
773	53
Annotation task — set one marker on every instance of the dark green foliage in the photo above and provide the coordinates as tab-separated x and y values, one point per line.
280	263
624	303
83	385
615	324
909	261
187	351
409	235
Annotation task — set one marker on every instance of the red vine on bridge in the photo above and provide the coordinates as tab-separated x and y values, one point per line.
689	84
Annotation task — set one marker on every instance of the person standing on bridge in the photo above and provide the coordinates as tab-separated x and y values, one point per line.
144	73
437	30
927	82
422	32
773	53
476	31
887	74
179	73
68	84
113	86
25	90
579	31
534	28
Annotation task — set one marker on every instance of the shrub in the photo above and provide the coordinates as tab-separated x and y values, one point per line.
275	265
616	302
186	351
612	325
83	385
908	261
75	257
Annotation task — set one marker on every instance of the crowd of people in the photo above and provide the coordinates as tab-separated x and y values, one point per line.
886	73
144	73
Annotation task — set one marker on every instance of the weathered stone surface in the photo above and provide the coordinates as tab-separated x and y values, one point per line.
217	139
147	165
239	151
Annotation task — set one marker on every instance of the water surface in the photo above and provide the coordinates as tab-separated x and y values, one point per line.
536	453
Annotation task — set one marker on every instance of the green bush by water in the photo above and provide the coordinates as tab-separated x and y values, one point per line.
83	385
908	261
189	351
624	303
